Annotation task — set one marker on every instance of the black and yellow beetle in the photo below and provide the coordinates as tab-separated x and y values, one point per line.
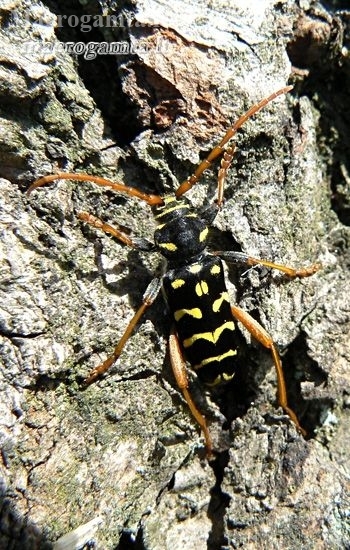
194	286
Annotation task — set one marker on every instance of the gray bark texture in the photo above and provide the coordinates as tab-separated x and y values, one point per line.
122	463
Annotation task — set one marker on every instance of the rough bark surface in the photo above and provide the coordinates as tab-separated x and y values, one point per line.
122	462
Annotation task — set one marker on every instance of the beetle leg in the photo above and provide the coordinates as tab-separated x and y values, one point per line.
224	167
179	369
263	337
219	149
134	242
148	299
241	258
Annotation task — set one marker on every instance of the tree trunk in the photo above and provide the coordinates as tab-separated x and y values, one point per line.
123	462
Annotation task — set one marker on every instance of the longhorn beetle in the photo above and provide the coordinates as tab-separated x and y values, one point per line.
203	332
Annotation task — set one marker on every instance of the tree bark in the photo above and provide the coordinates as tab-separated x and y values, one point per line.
123	462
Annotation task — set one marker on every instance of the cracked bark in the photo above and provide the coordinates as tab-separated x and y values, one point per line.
126	449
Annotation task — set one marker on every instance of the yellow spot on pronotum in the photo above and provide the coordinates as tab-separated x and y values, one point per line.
218	303
212	337
215	270
177	283
168	209
195	268
195	313
201	288
168	246
203	235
